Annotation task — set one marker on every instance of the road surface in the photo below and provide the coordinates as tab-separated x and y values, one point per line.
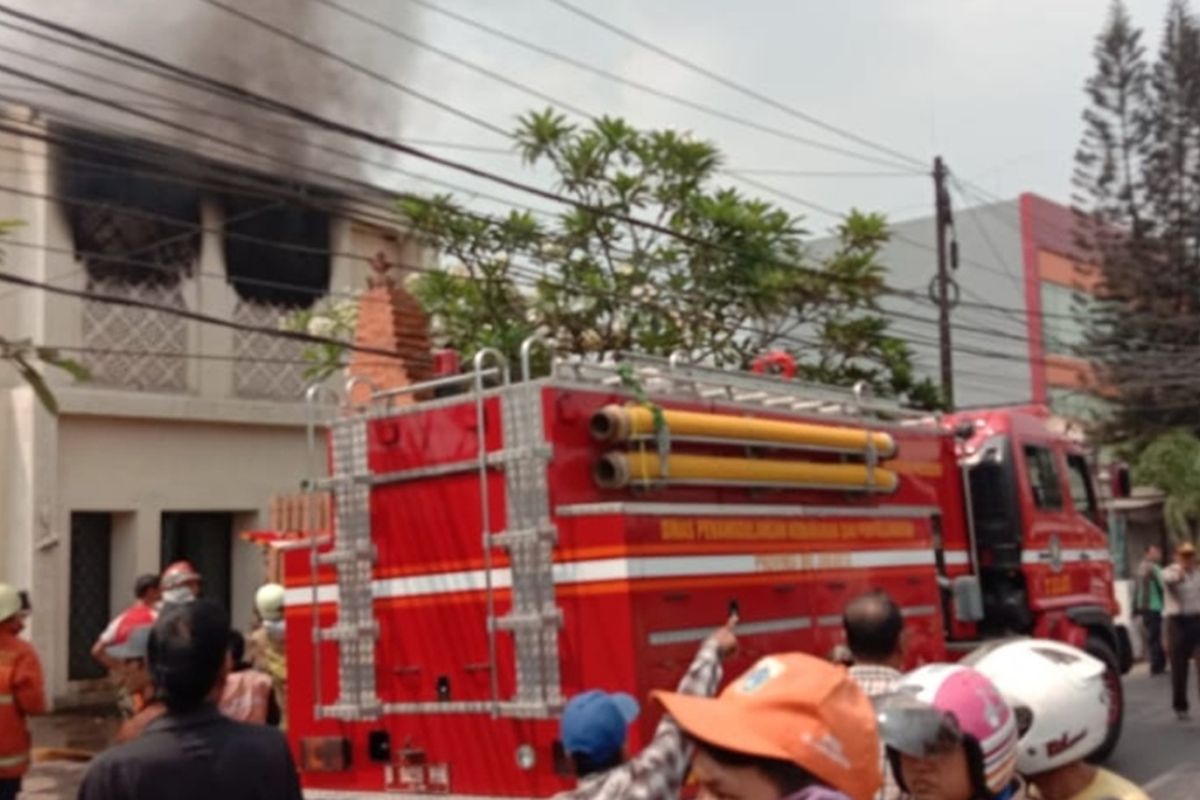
1156	751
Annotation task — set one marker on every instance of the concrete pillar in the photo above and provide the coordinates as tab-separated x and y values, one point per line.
43	536
123	566
217	298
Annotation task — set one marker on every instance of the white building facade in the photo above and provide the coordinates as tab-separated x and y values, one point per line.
174	445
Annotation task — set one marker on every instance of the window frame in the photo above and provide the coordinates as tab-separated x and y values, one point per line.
1084	471
1038	458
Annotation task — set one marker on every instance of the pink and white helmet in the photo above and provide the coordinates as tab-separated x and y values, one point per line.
939	703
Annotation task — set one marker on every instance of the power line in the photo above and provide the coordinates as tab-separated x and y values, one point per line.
804	173
991	245
735	86
577	204
717	113
533	277
288	110
978	304
192	78
418	42
205	113
359	68
305	200
299	113
195	316
141	353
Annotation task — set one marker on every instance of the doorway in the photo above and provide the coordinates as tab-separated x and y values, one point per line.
89	591
205	538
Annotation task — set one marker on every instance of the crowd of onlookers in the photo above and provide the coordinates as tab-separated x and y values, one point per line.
187	688
1015	719
1167	603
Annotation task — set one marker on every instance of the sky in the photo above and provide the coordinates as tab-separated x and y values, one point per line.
994	86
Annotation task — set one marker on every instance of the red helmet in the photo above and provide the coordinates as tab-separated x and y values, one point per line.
177	574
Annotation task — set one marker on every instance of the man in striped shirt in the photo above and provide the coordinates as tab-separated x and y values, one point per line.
595	725
874	628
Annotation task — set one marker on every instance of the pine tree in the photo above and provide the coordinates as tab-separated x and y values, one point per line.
1107	163
1138	175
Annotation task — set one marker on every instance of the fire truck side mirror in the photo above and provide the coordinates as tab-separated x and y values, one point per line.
968	598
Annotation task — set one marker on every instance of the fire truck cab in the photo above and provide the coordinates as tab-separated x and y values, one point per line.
497	546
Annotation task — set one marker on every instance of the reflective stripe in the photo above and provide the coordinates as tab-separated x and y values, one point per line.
779	625
6	699
631	569
8	762
1068	555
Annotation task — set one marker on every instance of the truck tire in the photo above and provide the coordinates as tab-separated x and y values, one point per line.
1099	647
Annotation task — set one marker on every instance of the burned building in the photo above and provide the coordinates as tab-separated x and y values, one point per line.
174	444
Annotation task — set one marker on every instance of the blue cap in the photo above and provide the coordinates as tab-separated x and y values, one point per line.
595	723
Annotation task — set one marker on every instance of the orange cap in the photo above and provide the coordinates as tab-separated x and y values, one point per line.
791	707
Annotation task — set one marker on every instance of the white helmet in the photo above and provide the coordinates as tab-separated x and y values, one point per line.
10	602
1059	695
269	601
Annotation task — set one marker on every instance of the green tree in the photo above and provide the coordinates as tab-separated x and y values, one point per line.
1139	197
721	276
1171	463
852	342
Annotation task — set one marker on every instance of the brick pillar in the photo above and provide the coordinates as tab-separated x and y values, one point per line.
389	318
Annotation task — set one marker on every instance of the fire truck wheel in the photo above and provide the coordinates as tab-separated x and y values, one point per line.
1102	650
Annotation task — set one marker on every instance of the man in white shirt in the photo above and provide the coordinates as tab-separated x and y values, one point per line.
1181	607
874	634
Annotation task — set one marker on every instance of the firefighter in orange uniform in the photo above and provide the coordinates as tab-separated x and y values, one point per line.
22	692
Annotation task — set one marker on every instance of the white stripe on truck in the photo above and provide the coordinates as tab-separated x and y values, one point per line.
611	569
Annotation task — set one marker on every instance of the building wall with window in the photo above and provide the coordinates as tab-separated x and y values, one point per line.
1024	289
990	355
176	443
1062	281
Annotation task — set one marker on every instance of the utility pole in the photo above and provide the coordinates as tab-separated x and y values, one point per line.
944	288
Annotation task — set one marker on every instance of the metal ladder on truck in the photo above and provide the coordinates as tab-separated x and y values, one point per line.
529	537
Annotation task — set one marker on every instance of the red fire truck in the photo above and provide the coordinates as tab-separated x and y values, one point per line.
498	545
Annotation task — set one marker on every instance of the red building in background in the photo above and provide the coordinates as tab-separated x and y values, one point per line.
1025	287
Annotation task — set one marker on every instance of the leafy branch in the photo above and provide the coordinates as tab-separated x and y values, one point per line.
23	353
731	277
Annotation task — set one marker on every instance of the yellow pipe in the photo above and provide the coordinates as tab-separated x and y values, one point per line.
617	470
622	423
